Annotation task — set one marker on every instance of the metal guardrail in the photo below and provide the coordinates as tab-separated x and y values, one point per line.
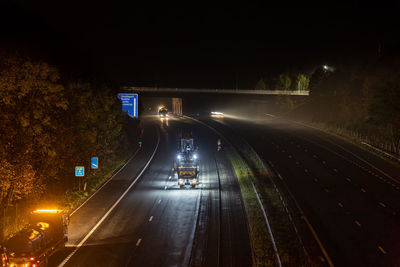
215	91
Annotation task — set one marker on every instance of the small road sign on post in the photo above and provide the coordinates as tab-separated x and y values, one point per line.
95	163
79	171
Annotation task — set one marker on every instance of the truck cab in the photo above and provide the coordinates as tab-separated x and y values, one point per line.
187	162
45	234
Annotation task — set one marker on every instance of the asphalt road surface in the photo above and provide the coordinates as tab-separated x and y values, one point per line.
156	223
351	196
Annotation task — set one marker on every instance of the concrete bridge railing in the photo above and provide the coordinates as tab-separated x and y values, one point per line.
216	91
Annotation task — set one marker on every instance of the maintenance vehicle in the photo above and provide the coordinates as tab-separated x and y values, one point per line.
46	233
186	164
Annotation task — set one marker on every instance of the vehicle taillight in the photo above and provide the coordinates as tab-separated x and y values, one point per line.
32	258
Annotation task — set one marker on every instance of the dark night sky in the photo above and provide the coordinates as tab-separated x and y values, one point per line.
199	46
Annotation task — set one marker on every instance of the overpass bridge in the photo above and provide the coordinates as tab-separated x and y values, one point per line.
163	90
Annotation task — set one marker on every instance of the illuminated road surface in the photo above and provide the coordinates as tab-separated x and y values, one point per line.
155	223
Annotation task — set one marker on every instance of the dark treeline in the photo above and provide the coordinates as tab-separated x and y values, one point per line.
362	100
49	123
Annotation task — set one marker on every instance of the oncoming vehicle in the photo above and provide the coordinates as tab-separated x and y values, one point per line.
187	161
162	112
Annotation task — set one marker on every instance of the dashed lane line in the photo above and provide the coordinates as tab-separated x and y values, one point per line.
151	218
138	242
112	207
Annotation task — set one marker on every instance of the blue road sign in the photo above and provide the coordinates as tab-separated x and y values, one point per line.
79	171
95	163
129	104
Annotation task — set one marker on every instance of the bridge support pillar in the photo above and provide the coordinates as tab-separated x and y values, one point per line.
177	106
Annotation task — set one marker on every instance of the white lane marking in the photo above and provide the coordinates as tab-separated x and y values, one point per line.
382	250
270	115
159	201
120	169
357	223
151	218
340	204
363	190
112	207
344	149
138	242
382	204
165	188
381	151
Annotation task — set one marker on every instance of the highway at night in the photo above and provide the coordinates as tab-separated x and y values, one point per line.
155	223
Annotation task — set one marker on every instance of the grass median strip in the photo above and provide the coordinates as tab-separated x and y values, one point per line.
290	250
263	251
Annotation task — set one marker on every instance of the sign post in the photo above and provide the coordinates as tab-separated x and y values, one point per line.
79	172
130	104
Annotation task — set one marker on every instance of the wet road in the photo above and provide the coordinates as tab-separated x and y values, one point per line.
156	223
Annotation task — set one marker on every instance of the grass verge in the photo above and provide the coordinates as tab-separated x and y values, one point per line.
74	198
261	244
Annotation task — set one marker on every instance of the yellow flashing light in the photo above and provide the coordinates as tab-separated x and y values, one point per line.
43	226
33	235
46	211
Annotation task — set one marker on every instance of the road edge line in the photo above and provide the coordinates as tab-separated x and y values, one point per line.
106	182
113	206
258	198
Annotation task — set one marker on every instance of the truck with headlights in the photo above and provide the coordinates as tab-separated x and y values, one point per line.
45	234
187	161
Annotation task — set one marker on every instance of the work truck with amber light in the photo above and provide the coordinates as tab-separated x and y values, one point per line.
46	233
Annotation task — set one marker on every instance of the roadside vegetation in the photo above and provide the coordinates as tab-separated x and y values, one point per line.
359	102
50	123
261	244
